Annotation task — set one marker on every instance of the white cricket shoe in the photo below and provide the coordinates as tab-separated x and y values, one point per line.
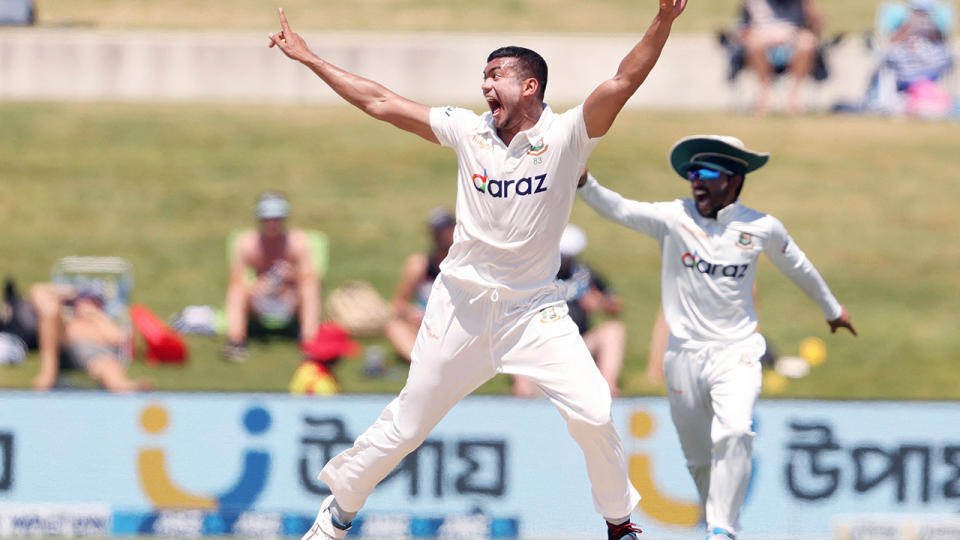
323	527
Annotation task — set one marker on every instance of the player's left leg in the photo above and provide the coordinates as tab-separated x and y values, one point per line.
734	376
545	346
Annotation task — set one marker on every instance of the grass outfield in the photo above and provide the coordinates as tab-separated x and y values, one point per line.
433	15
870	200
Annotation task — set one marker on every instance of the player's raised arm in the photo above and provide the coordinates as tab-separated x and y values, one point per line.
368	96
603	105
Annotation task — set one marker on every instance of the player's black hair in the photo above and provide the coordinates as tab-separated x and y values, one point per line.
531	64
743	180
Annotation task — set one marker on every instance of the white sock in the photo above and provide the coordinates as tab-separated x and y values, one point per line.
341	518
619	521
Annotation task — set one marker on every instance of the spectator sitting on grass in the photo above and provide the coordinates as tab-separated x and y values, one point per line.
74	332
419	271
286	289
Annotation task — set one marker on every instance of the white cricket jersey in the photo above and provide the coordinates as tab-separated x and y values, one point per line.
512	201
709	265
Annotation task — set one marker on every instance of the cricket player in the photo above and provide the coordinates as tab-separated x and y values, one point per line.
495	307
709	246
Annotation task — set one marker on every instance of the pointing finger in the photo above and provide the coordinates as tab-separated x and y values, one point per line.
283	22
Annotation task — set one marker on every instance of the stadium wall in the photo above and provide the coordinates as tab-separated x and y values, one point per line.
434	68
91	464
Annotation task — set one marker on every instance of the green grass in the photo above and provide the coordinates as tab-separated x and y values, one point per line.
604	16
871	201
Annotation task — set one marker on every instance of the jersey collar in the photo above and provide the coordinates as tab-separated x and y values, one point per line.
529	136
728	213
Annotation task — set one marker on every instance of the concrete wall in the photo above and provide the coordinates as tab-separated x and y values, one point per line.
434	68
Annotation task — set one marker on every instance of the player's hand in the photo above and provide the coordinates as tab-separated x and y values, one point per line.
672	8
843	321
289	41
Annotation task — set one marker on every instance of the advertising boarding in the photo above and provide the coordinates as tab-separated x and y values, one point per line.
189	465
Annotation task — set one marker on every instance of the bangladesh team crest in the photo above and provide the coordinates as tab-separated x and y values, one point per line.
550	314
538	148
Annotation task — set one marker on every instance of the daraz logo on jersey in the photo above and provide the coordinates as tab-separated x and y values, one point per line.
505	188
694	261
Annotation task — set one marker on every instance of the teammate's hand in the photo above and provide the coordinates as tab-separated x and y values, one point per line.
289	41
672	8
843	321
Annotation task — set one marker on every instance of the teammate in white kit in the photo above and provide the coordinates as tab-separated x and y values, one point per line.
495	307
709	246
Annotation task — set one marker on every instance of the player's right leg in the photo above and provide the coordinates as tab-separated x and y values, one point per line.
690	411
450	359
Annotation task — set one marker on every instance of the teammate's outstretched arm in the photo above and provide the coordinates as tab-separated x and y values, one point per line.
784	253
368	96
603	105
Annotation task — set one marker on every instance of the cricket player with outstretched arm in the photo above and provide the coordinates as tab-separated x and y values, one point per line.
495	307
709	246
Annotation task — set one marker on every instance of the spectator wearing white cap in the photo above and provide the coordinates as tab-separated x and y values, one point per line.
588	296
272	276
416	279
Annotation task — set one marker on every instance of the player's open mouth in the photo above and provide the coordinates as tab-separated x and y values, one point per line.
495	107
701	195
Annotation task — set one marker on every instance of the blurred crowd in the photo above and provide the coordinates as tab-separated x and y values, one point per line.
274	286
274	289
912	70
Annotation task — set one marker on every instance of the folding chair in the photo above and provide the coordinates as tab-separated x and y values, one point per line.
729	40
113	276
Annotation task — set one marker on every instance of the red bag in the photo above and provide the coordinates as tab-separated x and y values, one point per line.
329	344
164	344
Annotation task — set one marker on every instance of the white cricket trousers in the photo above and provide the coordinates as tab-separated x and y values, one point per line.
713	388
468	335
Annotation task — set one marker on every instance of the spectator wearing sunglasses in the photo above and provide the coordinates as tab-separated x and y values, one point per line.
709	245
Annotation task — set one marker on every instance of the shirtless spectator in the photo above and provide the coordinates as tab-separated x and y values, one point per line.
272	277
74	332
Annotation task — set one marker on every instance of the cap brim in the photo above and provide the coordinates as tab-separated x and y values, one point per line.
715	153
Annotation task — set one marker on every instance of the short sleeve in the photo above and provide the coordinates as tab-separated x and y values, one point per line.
581	143
450	123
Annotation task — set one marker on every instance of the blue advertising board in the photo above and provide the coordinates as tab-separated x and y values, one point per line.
193	464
